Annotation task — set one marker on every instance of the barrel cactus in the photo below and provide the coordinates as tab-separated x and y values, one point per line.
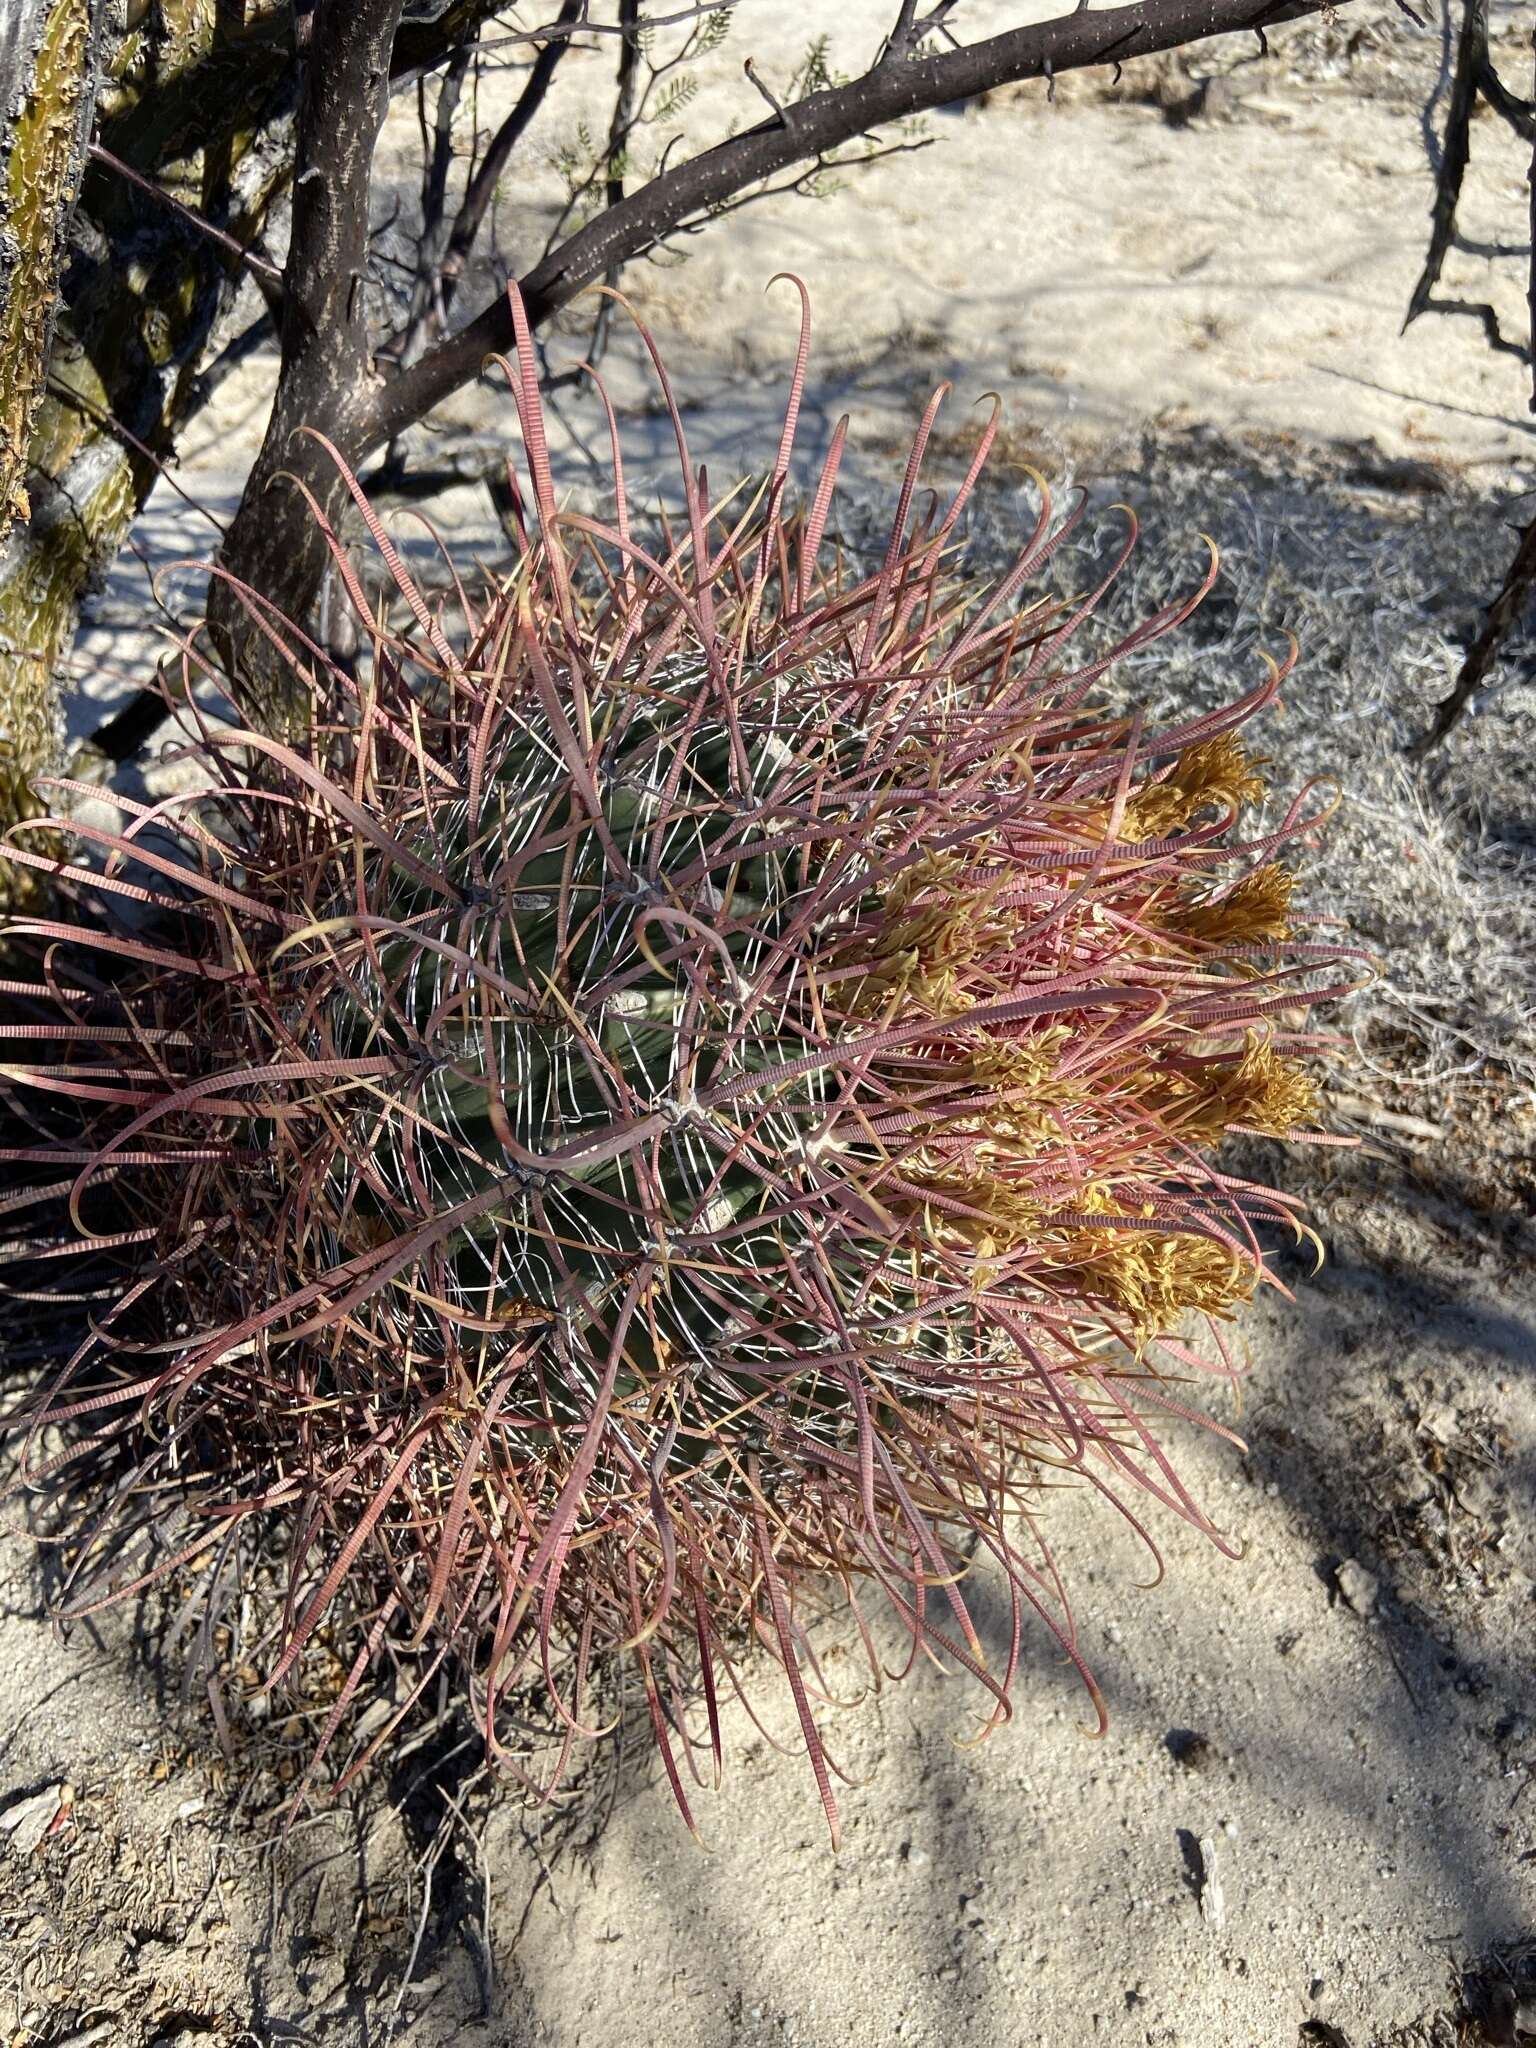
694	1086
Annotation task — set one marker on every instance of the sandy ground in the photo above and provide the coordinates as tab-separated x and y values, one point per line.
1310	1806
1310	1821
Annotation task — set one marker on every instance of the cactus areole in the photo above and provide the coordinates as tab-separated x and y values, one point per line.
688	1099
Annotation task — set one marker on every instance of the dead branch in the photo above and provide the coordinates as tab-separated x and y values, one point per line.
624	105
492	168
1475	77
1455	154
1506	609
437	153
562	30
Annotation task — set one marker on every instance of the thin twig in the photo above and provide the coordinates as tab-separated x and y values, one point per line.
492	166
269	278
562	30
624	101
749	71
71	396
426	292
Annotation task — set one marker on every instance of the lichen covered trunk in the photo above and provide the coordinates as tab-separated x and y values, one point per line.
46	89
197	98
47	80
195	103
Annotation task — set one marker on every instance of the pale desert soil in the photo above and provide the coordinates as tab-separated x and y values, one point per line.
1336	1734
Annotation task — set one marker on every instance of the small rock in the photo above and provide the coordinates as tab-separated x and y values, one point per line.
1357	1587
1213	1900
1220	99
372	1719
1479	1494
1440	1424
28	1820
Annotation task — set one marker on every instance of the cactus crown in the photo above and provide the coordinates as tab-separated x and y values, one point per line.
693	1084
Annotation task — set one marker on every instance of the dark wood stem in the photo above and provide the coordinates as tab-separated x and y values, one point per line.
626	88
492	167
1507	608
821	122
325	378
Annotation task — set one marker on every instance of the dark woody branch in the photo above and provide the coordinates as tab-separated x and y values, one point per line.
811	128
